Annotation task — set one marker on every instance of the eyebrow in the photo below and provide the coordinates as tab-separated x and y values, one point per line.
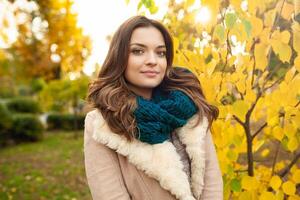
142	45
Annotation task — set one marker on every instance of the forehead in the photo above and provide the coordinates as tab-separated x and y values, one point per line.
148	36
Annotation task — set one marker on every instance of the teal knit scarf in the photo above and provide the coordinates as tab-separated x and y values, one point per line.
158	117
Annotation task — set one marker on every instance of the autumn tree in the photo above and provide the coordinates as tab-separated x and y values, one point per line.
49	42
246	55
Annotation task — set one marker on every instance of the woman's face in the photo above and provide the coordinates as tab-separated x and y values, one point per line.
147	61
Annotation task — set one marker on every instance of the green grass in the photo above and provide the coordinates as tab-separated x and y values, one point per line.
50	169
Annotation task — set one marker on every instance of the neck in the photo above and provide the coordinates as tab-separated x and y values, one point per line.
146	93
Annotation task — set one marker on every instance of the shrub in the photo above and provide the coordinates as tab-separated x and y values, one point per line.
5	124
26	127
23	105
64	121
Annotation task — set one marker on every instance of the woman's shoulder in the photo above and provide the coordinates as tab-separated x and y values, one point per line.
92	115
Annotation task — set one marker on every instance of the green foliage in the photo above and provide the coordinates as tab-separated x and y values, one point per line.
5	124
37	84
26	127
60	95
23	105
7	88
65	121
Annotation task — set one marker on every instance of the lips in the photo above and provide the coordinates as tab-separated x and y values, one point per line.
150	73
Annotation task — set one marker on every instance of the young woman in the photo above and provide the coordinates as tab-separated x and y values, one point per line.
149	135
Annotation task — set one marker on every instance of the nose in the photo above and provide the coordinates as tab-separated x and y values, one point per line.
151	58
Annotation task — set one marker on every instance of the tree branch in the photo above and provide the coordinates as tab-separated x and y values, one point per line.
283	172
259	130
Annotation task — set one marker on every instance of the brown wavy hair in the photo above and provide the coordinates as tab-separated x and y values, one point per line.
110	94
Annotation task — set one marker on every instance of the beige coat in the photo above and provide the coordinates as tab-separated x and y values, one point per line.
120	170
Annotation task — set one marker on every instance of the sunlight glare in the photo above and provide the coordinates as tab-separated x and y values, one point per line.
203	16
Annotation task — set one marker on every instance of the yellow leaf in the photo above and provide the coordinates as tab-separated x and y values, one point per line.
269	18
289	130
241	86
240	109
279	195
265	152
267	196
236	3
254	6
294	197
257	26
297	63
245	195
249	183
296	37
260	53
284	51
275	182
296	176
292	144
285	37
250	96
175	44
289	75
289	188
285	8
278	133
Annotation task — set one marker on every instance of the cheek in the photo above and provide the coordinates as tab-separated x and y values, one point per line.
131	70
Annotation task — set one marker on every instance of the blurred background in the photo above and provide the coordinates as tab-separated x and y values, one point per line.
245	53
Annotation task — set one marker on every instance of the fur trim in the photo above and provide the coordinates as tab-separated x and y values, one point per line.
194	139
161	161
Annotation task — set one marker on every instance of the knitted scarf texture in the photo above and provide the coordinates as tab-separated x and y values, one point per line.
158	117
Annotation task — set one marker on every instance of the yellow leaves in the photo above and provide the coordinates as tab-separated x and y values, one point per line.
277	133
297	63
289	75
279	43
285	8
247	195
296	176
289	188
253	6
219	33
267	196
269	18
292	144
283	36
257	26
175	44
296	37
250	183
260	52
275	182
240	108
236	4
265	153
250	95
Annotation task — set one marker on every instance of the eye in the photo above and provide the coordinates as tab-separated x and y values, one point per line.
162	53
137	51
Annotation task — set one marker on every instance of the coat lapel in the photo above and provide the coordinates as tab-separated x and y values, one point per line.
161	161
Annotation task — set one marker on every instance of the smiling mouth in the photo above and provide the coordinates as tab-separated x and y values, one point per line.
150	73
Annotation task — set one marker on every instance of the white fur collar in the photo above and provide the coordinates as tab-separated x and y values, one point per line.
161	161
